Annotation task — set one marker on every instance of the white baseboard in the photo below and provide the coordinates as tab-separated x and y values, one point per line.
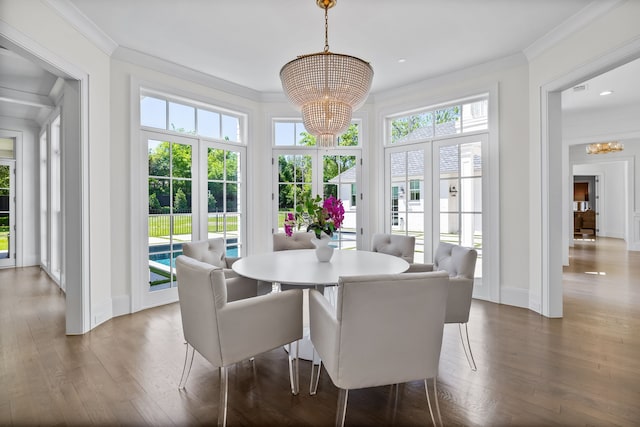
101	313
121	305
515	296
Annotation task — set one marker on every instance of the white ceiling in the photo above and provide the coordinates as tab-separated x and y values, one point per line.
247	42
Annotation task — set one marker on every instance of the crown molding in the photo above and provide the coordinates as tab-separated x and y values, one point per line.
574	23
171	68
70	13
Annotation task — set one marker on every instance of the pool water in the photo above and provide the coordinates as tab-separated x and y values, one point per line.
164	257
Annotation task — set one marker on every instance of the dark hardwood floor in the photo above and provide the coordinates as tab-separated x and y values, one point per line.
582	370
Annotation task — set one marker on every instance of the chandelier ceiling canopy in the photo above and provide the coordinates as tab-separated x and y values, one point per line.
327	87
604	147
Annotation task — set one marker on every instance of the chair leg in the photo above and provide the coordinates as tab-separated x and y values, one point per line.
186	369
294	375
343	395
435	398
315	373
224	389
467	346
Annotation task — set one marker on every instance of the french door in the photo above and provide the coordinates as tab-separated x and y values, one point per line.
309	172
170	218
193	190
7	213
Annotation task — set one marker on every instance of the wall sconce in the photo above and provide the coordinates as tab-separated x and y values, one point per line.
453	191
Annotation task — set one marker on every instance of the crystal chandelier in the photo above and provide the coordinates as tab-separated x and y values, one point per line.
604	147
327	87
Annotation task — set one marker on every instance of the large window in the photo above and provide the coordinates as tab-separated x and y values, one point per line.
302	169
434	175
449	120
195	157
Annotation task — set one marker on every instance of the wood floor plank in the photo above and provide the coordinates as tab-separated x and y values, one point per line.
583	369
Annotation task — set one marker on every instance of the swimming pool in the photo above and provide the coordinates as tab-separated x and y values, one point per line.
161	254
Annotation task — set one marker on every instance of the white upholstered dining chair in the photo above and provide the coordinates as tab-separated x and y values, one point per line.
384	330
213	251
225	332
460	263
394	244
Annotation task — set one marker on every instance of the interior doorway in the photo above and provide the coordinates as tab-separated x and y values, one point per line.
585	207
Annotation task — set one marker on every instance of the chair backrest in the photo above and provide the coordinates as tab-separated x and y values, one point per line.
202	292
298	240
211	251
460	263
393	244
390	328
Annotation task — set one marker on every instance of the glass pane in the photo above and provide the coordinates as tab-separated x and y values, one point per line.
182	118
230	128
412	128
181	155
233	165
159	197
449	228
208	124
449	191
475	116
471	159
215	164
284	133
471	194
350	137
232	222
471	235
158	153
286	198
302	172
449	162
7	150
232	198
181	196
398	166
215	225
215	197
153	112
302	135
448	121
415	224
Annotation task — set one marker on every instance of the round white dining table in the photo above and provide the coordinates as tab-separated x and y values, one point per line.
301	267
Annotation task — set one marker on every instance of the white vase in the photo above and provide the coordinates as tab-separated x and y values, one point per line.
324	252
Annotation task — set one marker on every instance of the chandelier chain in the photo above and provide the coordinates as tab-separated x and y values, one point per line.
326	29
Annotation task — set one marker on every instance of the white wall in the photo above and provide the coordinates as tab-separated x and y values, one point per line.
27	189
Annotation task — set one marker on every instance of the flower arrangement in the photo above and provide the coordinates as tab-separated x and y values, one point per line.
320	216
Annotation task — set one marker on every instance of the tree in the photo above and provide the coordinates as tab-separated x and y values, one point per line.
180	203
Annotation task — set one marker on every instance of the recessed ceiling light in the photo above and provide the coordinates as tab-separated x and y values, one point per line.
606	92
402	60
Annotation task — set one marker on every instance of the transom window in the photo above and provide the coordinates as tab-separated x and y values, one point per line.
289	133
159	112
453	119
